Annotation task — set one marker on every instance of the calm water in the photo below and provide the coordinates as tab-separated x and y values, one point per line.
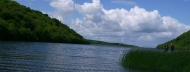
35	56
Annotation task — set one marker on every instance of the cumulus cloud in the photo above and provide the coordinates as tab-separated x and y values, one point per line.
135	26
63	9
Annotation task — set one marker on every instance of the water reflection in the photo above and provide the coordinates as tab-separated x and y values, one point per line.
34	56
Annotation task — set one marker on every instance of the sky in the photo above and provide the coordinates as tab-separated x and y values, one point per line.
145	23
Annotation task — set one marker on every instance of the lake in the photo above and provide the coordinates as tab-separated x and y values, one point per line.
39	56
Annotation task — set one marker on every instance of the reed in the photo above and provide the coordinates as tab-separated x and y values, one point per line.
178	61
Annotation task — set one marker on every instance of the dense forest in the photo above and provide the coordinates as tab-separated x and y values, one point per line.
20	23
182	42
111	44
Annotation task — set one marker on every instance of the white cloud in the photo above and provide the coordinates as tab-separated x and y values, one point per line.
63	9
135	26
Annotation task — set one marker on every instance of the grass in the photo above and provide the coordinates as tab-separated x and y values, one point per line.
178	61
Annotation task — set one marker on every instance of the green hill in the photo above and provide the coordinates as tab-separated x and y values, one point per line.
20	23
111	44
182	42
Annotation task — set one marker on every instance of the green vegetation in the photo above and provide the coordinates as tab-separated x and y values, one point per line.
182	42
157	60
20	23
111	44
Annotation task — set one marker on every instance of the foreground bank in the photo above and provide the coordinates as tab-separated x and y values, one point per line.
157	60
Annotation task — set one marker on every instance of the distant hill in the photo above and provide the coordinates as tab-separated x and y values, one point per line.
111	44
20	23
182	42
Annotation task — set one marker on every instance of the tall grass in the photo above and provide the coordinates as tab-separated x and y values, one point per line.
178	61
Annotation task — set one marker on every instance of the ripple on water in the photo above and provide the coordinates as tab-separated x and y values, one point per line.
34	56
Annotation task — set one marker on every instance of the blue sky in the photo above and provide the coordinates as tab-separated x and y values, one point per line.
144	23
177	9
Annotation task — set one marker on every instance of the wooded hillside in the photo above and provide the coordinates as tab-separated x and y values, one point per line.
20	23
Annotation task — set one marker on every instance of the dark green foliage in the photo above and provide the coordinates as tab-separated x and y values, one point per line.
158	60
111	44
20	23
182	42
